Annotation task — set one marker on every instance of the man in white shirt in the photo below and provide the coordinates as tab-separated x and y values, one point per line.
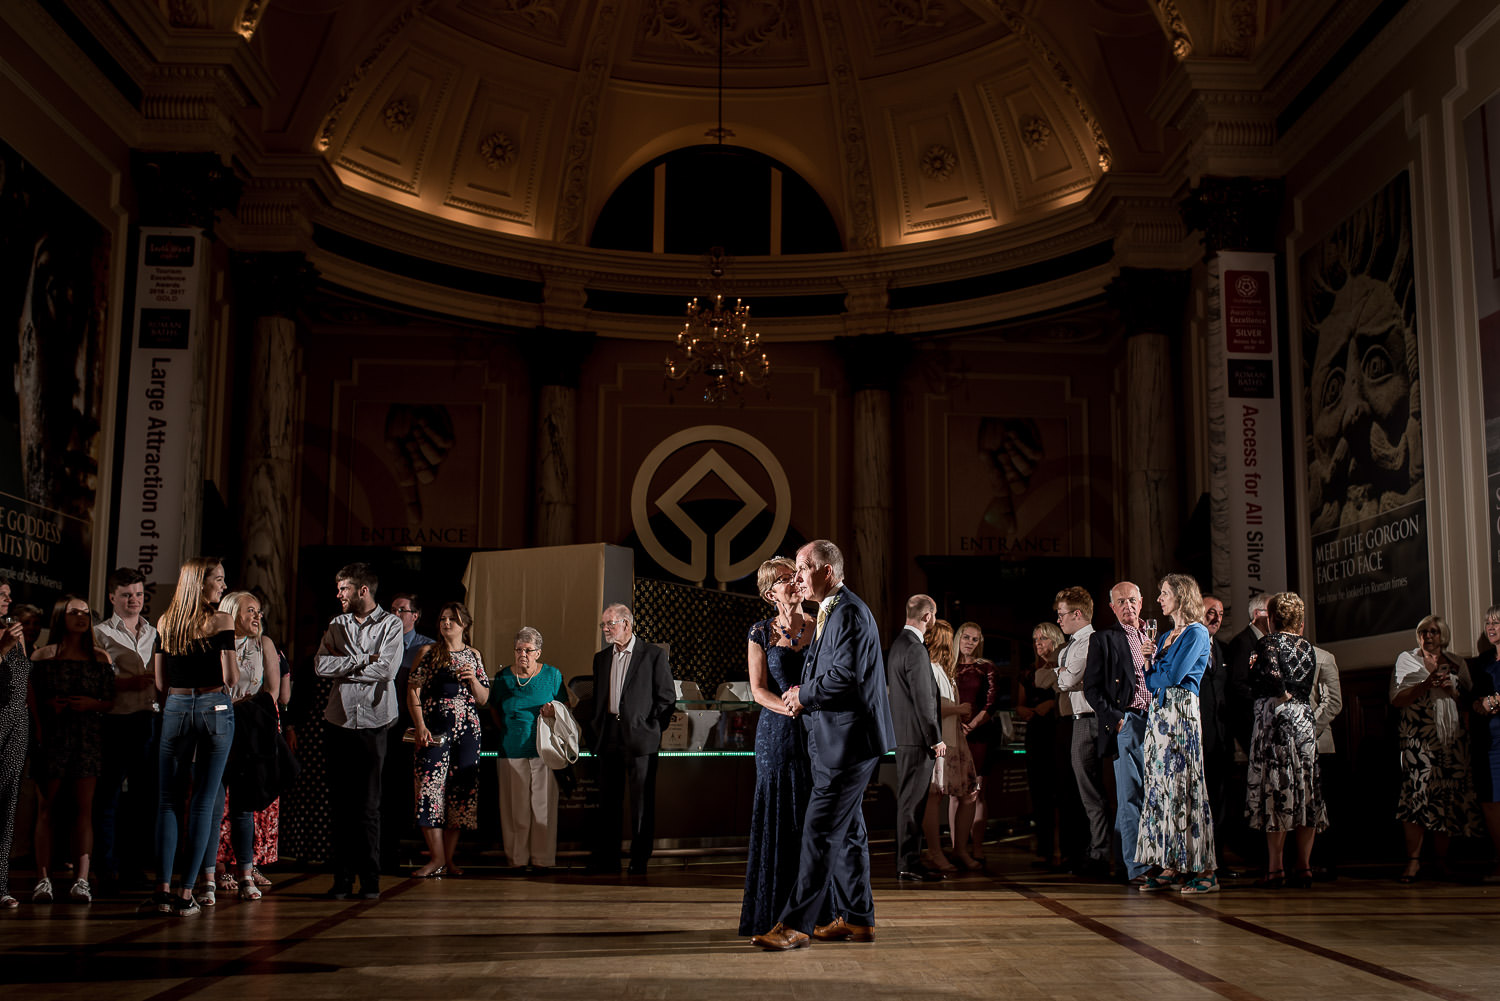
361	652
1079	728
125	798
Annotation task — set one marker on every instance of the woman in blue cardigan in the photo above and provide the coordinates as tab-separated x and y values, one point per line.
1177	831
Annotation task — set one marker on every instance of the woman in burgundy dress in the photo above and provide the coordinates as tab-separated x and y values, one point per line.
980	689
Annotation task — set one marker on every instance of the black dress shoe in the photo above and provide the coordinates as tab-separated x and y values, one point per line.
921	874
341	890
369	888
637	869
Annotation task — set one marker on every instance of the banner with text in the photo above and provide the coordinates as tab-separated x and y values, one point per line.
1482	145
1366	492
54	311
1252	412
158	402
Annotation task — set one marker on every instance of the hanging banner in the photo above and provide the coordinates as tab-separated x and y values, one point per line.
1252	417
1366	492
54	297
169	281
1482	144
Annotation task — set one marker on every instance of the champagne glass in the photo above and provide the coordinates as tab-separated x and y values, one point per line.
1148	633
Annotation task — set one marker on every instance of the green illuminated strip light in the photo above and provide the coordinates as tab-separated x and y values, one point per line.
714	754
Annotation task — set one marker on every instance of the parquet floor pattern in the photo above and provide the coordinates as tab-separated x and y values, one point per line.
1013	934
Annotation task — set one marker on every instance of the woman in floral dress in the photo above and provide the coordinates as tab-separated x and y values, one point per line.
1177	832
448	684
1437	790
1284	790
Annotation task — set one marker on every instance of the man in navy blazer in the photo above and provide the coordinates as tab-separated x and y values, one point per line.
1114	683
845	708
633	702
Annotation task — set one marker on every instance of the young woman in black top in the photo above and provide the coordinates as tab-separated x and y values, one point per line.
194	666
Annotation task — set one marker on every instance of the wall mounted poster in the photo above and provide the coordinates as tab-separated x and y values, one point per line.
1482	145
54	287
1367	498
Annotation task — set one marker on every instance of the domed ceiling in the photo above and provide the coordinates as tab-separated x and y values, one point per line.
914	120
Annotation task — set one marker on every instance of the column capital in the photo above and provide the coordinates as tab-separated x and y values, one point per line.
873	361
555	356
182	189
273	283
1150	300
1235	213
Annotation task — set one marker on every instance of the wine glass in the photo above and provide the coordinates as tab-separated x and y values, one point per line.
1148	633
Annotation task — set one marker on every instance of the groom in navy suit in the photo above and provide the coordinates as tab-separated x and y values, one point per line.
843	704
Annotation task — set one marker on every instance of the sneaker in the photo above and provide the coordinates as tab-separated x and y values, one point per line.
369	887
157	903
42	892
204	894
80	893
185	907
1201	884
249	891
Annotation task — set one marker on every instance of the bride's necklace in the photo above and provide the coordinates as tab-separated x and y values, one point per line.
788	633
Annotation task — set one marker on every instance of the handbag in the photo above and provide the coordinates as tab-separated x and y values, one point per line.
557	738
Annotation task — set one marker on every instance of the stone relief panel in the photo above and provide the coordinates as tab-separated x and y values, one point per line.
1041	142
391	135
897	33
498	161
552	23
763	33
936	167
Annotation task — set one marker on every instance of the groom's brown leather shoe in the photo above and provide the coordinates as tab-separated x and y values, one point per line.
839	930
781	938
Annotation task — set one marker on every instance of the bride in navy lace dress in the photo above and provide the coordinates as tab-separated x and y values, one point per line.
782	776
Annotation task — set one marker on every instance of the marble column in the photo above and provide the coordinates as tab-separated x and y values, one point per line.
873	364
268	288
188	189
1232	213
555	358
1152	305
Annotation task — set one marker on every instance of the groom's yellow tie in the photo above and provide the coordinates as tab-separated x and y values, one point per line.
822	621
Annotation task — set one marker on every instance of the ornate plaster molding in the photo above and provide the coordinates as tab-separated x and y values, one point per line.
573	200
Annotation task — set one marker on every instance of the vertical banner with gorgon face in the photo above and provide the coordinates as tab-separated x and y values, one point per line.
169	280
1252	415
1366	493
1482	146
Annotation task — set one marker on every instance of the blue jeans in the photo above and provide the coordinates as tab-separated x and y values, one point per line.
196	734
241	829
1130	788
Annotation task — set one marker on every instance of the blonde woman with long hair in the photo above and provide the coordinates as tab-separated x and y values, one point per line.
195	666
953	774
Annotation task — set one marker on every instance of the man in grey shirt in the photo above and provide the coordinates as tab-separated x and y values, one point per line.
361	652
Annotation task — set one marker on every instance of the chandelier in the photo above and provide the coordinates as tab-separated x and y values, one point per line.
717	343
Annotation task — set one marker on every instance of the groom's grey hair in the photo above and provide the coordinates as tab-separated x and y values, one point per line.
823	553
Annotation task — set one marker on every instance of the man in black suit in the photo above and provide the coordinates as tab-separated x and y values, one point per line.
919	734
633	703
1233	831
1114	682
1213	710
847	713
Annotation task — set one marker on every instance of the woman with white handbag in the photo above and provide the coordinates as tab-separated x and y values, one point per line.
528	790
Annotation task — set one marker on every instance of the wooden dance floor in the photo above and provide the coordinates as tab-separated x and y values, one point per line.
672	935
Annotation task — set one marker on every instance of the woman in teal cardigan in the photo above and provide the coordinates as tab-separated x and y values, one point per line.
528	789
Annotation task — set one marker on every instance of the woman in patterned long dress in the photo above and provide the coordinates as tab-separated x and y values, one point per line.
1177	832
72	687
447	685
783	771
1429	686
15	732
1283	788
249	837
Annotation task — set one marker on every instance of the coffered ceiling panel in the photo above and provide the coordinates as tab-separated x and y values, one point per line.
941	183
1041	139
390	136
500	153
